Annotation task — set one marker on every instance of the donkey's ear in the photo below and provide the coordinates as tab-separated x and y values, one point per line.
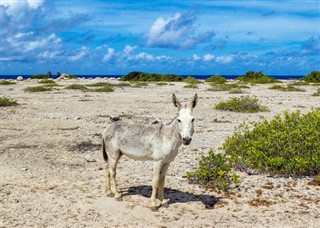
175	101
194	101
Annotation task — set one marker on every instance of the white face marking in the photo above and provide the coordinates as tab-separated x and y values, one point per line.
186	125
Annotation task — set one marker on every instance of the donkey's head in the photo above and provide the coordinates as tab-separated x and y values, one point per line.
185	118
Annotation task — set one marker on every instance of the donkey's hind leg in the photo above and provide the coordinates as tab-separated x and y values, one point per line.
113	161
108	188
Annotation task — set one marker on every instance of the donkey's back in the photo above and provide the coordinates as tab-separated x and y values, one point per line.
136	141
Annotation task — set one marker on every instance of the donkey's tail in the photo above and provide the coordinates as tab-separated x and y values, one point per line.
104	153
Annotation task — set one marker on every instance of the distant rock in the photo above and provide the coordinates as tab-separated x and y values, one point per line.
63	76
20	78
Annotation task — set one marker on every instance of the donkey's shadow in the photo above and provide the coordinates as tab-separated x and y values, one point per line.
174	195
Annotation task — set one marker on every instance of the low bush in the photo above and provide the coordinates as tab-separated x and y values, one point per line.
7	82
141	76
104	89
288	88
35	89
317	93
4	102
83	88
313	77
288	145
214	171
256	78
226	87
192	82
39	76
245	104
218	79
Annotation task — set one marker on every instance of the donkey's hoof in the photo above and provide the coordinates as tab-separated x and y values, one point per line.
154	209
110	194
118	198
165	203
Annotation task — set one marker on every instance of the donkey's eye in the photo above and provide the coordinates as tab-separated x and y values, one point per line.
179	121
192	120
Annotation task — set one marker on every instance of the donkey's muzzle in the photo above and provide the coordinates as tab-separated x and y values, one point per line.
186	141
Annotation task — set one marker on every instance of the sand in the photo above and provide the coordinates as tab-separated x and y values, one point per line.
52	167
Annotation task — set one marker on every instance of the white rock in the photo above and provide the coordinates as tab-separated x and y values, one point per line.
20	78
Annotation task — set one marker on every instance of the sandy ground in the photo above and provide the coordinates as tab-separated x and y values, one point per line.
52	168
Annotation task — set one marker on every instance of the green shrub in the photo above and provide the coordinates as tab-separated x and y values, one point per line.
242	104
139	84
77	87
6	82
288	145
317	93
288	88
39	76
48	82
141	76
256	78
191	80
299	83
35	89
104	89
214	171
236	91
226	87
313	77
161	83
218	79
4	102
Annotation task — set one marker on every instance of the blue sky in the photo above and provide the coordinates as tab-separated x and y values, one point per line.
168	36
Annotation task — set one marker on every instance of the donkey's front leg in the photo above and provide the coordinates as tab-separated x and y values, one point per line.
155	184
163	172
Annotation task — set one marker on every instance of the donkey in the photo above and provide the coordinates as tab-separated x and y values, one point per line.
159	143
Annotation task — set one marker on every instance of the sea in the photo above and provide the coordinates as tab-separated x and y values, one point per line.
199	77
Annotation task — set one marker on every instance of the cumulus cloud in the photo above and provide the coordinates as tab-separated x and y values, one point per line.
208	57
14	7
80	54
176	32
110	54
128	49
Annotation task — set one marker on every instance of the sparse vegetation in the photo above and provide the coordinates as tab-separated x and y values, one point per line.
39	76
256	78
35	89
141	76
288	145
192	82
7	82
214	171
313	77
288	88
245	104
317	93
226	87
4	102
104	89
82	88
217	79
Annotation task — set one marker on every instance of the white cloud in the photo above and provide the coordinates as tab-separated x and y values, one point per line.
208	57
196	57
81	53
109	55
128	49
26	42
225	59
15	7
